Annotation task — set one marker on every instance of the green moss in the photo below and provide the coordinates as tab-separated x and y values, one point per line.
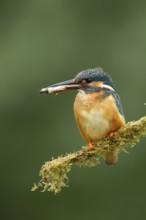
53	173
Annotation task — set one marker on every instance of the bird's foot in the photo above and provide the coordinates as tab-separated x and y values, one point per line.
91	145
111	134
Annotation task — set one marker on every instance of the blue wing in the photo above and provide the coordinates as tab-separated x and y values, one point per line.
118	103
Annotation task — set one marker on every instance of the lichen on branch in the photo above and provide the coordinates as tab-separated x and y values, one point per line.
54	172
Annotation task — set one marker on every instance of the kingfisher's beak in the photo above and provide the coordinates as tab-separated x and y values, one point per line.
62	86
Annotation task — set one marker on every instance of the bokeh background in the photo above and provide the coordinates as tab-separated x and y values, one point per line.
47	41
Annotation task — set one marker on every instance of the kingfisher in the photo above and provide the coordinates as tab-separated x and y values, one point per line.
97	107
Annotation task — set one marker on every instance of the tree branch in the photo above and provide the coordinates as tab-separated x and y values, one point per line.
54	173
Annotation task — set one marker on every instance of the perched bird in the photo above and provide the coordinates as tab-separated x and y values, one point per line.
97	108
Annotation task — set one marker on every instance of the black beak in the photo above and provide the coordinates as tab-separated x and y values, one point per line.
62	86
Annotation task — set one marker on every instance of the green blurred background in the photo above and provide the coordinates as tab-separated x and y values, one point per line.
47	41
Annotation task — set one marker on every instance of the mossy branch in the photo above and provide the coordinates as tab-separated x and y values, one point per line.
54	173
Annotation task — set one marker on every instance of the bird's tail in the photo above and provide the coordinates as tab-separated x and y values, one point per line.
111	157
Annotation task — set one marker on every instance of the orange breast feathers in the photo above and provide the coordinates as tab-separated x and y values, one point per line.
96	117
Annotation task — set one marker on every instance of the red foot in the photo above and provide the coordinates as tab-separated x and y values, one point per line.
111	134
91	145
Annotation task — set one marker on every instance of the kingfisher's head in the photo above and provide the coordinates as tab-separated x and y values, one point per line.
88	80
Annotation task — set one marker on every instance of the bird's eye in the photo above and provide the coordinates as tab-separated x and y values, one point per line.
88	80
